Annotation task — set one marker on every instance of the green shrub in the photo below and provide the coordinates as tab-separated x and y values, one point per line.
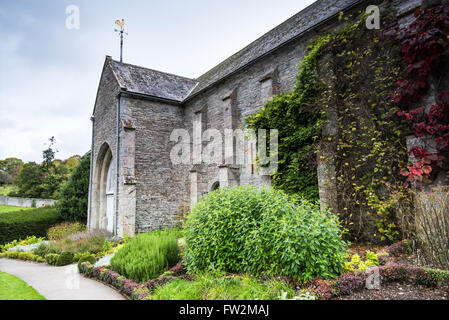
64	229
72	202
256	231
86	257
43	250
147	255
37	258
21	224
51	258
12	254
64	259
27	256
14	243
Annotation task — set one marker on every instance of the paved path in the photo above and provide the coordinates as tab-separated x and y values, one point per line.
59	283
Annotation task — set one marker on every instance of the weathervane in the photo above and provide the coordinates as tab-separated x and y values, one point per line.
121	31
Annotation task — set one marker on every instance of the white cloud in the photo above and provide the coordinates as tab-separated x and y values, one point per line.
49	75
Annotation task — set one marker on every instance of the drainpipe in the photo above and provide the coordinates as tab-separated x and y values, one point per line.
117	162
89	201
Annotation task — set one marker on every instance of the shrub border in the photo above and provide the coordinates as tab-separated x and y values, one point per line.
129	288
351	282
346	284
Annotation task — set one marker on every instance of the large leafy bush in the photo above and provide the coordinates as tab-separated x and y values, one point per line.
263	231
147	255
73	198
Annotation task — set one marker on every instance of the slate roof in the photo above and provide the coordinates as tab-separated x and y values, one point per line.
172	87
151	82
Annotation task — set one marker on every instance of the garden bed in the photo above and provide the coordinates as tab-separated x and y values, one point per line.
397	291
400	280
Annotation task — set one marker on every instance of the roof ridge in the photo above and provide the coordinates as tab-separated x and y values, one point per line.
154	70
259	38
303	21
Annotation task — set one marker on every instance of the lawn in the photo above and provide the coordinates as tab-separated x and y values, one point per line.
11	208
13	288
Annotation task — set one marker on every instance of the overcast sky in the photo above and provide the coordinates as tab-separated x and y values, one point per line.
49	74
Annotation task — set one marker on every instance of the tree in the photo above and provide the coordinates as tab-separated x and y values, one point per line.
29	180
53	181
73	197
48	155
9	170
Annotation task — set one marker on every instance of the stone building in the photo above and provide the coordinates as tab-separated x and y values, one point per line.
135	186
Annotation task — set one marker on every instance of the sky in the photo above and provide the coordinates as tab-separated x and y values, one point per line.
49	73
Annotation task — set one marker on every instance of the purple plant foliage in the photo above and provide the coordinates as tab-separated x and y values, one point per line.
349	282
396	248
110	277
128	287
393	272
323	289
96	272
178	269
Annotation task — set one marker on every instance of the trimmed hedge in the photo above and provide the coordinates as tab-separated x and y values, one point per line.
21	224
27	256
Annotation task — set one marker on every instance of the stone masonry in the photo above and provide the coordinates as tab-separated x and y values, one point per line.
151	192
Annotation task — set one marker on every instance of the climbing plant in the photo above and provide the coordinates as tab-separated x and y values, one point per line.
298	119
370	144
357	75
425	51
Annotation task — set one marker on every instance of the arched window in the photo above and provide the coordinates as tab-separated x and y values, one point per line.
215	186
109	181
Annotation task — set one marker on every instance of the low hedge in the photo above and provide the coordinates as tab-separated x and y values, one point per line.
129	288
21	224
351	282
26	256
86	258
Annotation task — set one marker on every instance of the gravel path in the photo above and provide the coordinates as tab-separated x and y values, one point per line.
398	291
59	283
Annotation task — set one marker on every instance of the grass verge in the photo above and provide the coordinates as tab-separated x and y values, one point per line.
13	288
208	287
4	208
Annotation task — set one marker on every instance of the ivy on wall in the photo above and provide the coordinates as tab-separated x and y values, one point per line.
370	142
298	120
367	67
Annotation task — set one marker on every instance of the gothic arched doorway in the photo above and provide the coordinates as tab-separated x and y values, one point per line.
103	204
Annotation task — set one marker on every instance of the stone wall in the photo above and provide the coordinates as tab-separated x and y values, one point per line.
162	188
104	139
153	192
26	202
252	87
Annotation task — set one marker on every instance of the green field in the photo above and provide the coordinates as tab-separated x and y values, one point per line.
11	209
13	288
